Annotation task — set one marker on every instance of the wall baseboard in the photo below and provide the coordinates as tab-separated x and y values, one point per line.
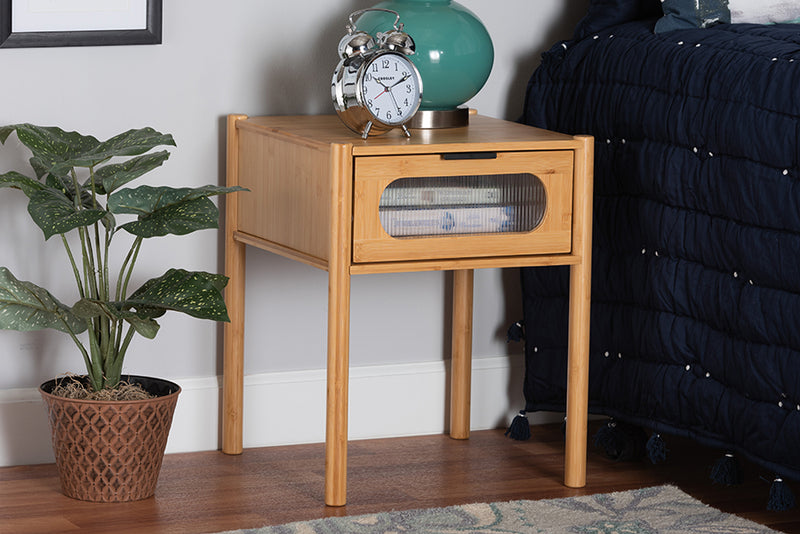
285	408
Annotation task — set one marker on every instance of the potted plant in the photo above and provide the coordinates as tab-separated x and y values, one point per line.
104	448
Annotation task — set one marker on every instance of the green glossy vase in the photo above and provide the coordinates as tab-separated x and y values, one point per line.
454	53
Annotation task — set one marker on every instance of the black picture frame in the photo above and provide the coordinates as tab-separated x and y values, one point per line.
149	35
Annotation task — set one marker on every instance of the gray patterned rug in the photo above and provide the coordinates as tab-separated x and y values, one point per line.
656	510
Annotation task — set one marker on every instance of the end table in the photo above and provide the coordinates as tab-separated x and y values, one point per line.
491	194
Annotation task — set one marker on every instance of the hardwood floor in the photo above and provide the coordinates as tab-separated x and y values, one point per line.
210	492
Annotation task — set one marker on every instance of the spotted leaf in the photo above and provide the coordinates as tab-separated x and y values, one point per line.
167	210
55	214
115	175
25	306
21	182
56	151
198	294
53	149
130	143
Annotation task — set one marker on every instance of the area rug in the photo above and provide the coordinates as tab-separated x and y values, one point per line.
655	510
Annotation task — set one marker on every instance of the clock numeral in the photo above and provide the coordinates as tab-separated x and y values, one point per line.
385	63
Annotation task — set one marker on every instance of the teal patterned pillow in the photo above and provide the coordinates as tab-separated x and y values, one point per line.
684	14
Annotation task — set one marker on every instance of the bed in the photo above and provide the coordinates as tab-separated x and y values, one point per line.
696	244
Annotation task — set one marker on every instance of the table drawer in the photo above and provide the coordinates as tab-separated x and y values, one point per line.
456	205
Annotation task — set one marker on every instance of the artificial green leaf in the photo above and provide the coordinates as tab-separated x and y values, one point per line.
20	181
130	143
47	139
147	199
25	306
144	312
53	149
177	219
198	294
145	327
55	214
89	308
5	131
62	183
166	210
57	152
66	187
113	176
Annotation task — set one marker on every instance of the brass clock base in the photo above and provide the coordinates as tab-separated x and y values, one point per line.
435	118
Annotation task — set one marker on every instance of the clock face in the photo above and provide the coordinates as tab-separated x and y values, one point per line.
390	88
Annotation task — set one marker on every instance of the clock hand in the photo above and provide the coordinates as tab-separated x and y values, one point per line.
385	88
395	103
401	80
388	89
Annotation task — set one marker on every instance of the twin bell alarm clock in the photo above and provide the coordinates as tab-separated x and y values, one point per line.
375	87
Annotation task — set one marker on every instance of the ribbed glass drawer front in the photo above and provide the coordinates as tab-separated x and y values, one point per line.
429	206
450	205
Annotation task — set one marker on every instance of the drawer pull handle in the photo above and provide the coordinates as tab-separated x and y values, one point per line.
469	155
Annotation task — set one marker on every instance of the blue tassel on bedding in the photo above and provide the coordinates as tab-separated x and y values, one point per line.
656	449
726	471
781	497
520	428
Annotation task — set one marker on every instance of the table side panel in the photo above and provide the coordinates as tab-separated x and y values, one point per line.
290	187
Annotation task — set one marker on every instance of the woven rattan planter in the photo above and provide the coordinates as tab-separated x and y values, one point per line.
111	451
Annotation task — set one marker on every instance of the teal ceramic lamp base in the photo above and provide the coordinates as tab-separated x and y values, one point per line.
454	55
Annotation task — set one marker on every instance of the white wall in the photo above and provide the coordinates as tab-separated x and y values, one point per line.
242	57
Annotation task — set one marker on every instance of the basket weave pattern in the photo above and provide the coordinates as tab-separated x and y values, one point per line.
109	451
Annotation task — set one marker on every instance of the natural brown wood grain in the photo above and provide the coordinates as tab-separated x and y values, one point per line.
580	292
338	328
314	197
487	132
235	253
461	354
371	243
290	187
211	491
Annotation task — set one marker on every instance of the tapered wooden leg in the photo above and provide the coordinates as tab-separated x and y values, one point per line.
233	360
577	378
233	344
338	378
579	311
461	358
338	328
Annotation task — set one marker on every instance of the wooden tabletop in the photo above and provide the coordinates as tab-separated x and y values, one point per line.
485	132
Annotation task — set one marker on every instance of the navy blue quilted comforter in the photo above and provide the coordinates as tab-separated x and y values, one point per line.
696	268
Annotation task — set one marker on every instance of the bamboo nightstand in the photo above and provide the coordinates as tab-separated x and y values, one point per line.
493	194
